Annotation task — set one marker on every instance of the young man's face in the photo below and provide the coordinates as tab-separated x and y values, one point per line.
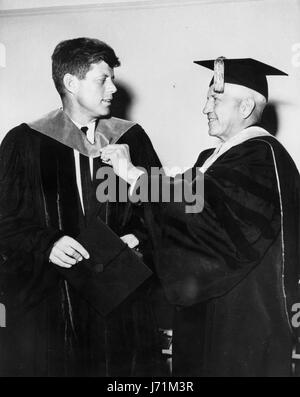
223	113
94	93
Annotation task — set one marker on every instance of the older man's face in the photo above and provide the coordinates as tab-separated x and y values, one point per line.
223	112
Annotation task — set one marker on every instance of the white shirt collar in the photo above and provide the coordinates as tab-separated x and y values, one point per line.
90	134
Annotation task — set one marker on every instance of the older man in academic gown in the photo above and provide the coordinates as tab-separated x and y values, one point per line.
232	270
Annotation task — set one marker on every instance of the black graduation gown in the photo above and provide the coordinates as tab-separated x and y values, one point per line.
232	270
51	329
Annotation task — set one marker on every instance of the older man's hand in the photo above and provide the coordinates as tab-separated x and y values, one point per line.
118	156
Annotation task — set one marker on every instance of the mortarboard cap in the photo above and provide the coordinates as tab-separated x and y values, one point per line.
247	72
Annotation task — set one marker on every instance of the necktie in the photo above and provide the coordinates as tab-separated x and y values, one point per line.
86	181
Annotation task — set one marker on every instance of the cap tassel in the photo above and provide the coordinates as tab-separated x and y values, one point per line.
219	75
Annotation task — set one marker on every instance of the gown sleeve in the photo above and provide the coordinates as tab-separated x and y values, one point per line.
25	240
21	209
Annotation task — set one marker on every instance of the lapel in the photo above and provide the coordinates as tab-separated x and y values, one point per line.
203	156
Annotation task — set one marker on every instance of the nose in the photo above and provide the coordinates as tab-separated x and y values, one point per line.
208	107
112	87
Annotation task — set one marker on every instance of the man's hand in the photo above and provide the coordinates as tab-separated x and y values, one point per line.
118	157
114	154
130	240
66	252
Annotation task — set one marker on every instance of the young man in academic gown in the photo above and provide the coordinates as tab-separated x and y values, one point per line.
232	270
69	313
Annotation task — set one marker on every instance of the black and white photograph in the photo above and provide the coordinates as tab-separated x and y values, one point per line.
150	191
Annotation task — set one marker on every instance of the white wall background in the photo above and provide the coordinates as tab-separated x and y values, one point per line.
157	42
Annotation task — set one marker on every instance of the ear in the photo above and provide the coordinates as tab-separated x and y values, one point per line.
246	107
70	83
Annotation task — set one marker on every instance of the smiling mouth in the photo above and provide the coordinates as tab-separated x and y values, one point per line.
107	101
